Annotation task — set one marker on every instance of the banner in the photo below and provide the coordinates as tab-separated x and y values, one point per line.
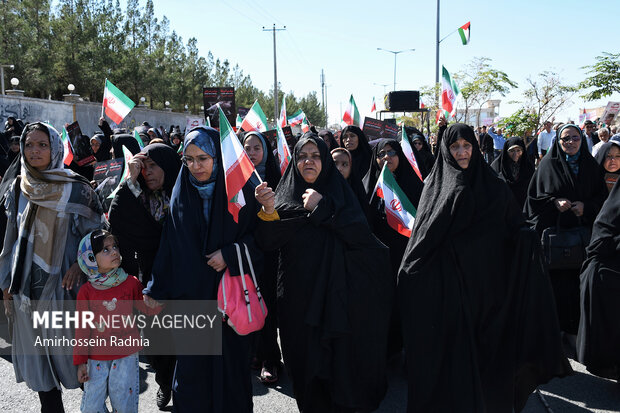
225	96
379	129
611	111
107	175
192	122
271	135
83	154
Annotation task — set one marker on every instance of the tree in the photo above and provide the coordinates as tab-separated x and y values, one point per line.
604	77
522	123
545	96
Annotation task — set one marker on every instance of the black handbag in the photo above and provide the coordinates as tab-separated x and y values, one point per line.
565	248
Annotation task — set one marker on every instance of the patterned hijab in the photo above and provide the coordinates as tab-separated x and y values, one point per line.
90	246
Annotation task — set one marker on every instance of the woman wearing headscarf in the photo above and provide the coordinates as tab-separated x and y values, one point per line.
480	334
328	137
49	210
423	154
608	157
101	146
124	139
196	247
514	167
568	189
137	215
389	152
344	163
598	341
268	353
334	293
354	140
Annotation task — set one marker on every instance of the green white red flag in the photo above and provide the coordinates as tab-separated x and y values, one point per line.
408	151
239	121
464	31
115	103
127	155
305	125
373	108
399	211
449	92
68	148
296	118
282	119
284	155
254	120
237	166
137	137
351	114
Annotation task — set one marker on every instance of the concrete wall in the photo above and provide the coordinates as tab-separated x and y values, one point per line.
87	114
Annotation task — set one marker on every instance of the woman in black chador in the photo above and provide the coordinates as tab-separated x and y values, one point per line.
334	293
598	342
568	189
514	167
480	334
355	141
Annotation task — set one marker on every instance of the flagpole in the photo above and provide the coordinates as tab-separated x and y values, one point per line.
437	57
102	103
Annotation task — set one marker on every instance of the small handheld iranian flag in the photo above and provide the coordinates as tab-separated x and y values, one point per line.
351	114
238	122
254	120
305	125
408	151
282	118
137	137
373	108
284	155
115	103
464	32
68	148
297	118
125	176
449	92
399	211
237	166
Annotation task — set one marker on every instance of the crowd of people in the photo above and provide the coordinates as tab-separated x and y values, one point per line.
475	302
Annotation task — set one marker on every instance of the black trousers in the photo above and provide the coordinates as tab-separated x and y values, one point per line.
51	401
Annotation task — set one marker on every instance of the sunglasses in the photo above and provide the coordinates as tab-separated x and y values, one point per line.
571	139
388	153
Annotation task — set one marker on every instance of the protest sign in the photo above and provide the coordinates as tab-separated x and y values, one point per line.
225	97
379	129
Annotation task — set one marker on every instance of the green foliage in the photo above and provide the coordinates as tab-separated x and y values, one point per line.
86	41
604	77
522	123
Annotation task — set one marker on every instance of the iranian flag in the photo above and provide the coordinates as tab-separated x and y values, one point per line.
351	114
297	118
464	32
239	121
408	151
115	103
282	118
373	108
127	155
137	137
284	155
399	211
254	120
305	125
68	148
449	92
237	166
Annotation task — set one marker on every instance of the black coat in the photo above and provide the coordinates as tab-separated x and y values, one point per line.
504	165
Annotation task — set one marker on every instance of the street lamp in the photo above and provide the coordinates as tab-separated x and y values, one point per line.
71	88
2	74
14	82
395	54
382	84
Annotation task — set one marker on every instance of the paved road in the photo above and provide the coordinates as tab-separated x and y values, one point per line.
579	393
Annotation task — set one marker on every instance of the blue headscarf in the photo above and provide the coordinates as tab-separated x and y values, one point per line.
204	138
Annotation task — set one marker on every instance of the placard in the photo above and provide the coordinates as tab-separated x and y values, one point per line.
82	152
379	129
107	175
225	97
611	111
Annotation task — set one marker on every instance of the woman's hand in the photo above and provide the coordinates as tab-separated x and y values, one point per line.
577	208
266	197
150	302
7	300
311	199
135	166
216	261
562	204
72	277
442	121
82	373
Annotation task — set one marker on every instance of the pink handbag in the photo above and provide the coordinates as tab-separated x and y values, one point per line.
239	299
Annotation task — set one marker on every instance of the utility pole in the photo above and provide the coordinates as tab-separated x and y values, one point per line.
324	95
437	56
275	69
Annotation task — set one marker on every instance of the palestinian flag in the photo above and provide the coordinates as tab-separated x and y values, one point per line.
282	118
399	211
373	108
284	155
239	121
116	104
449	92
68	148
305	125
127	155
351	114
237	166
254	120
464	32
408	151
137	137
297	118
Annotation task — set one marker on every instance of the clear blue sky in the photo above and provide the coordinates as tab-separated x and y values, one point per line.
522	38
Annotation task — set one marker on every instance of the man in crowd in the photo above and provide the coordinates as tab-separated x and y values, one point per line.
603	135
486	145
588	131
545	139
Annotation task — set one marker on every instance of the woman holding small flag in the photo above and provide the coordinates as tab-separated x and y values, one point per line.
385	215
196	247
479	325
334	293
